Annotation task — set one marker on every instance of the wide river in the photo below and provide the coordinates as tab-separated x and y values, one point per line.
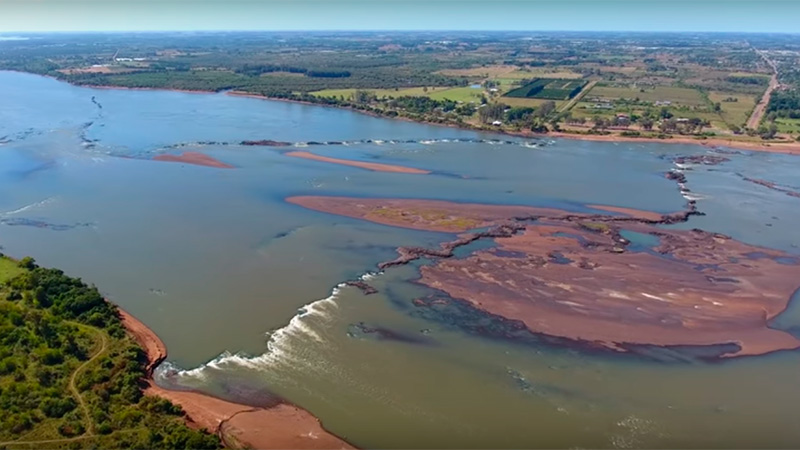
230	275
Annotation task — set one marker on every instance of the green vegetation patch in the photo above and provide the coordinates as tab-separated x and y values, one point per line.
70	377
551	89
652	94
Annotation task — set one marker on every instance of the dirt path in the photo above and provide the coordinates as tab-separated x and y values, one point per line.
758	113
72	439
74	389
578	97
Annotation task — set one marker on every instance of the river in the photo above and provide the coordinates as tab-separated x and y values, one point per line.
242	286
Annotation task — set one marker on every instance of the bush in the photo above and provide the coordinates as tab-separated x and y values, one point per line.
54	407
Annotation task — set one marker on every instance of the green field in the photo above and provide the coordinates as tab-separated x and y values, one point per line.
8	269
546	88
734	113
527	102
677	95
463	94
788	125
460	94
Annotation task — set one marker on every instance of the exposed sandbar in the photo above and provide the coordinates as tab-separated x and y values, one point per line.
575	276
278	427
629	212
378	167
433	215
196	158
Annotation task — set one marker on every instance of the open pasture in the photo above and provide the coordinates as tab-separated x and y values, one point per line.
676	95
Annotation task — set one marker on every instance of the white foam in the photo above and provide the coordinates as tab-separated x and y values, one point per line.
301	327
369	275
694	197
29	207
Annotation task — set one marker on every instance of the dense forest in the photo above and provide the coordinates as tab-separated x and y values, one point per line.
69	375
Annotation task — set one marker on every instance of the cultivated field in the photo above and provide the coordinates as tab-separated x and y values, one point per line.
551	89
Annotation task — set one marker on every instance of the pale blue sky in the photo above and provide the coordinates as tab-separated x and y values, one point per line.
573	15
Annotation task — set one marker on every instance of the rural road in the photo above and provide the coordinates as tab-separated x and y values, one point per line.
761	107
578	97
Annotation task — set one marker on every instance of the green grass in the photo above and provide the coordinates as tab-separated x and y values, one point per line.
677	95
735	113
527	102
788	125
460	94
8	269
432	92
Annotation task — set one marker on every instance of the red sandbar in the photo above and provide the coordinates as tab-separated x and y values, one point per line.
378	167
196	158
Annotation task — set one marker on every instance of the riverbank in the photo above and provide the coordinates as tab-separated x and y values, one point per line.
784	147
238	426
790	148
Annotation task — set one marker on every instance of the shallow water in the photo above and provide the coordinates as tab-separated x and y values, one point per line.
221	267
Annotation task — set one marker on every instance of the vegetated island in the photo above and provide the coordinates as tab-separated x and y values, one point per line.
610	280
75	372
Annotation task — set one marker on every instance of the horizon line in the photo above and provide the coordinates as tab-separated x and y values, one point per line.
3	32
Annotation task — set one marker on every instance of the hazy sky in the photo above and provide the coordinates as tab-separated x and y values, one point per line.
601	15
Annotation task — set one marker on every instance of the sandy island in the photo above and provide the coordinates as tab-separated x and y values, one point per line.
575	276
196	158
378	167
280	427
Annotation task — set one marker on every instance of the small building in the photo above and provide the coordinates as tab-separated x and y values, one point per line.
682	120
603	106
663	103
497	123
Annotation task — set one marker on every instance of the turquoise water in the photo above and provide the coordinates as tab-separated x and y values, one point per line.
240	284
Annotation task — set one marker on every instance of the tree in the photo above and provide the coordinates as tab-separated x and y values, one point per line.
600	123
647	123
490	113
362	96
545	109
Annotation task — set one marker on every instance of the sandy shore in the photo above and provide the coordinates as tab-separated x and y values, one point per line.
196	158
378	167
280	427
